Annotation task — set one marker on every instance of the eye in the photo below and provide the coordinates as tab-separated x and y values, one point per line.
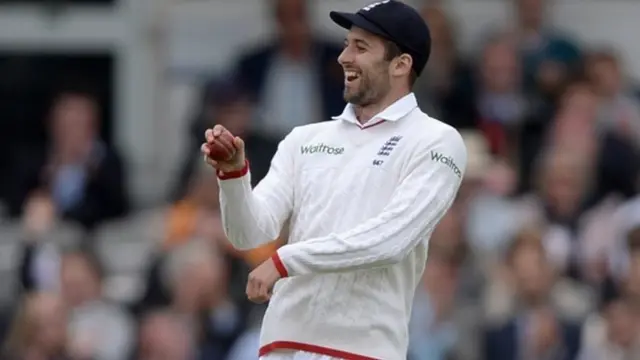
360	48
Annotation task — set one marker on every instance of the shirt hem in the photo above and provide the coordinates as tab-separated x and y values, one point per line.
315	349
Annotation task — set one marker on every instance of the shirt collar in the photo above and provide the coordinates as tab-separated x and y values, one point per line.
396	111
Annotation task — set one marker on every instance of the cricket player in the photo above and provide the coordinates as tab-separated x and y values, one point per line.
362	195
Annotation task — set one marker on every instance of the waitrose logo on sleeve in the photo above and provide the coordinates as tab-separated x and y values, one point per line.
447	161
321	148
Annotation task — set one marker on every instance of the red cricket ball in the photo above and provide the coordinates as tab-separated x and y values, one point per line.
222	149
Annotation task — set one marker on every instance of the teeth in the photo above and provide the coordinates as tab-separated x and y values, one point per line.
350	75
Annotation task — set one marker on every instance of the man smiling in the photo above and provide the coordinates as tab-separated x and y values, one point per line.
360	217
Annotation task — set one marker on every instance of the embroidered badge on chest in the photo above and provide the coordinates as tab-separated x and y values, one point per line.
386	150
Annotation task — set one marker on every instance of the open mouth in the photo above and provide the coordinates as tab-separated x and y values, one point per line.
351	76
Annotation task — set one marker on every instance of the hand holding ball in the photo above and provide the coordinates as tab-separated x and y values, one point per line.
223	150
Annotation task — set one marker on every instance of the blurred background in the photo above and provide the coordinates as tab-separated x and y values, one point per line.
111	246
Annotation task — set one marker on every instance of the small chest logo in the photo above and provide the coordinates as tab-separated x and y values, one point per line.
386	149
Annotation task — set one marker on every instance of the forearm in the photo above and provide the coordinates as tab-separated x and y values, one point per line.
382	241
249	218
253	217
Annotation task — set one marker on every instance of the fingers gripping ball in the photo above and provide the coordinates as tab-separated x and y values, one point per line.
222	148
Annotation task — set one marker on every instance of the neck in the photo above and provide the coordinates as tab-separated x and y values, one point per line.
298	52
72	155
365	113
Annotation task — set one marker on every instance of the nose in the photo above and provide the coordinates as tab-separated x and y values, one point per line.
345	57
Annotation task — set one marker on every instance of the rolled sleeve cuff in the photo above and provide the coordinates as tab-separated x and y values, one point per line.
282	270
234	174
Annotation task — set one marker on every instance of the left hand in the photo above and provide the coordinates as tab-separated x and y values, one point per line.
261	282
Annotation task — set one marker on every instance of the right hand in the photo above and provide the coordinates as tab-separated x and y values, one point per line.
39	215
236	163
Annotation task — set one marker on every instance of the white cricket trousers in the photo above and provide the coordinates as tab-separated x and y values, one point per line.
297	355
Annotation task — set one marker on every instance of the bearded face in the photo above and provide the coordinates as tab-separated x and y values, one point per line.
366	70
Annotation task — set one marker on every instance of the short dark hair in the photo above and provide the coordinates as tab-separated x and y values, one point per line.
392	51
77	87
277	8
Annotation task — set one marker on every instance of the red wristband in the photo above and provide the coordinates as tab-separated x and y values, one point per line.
234	174
279	265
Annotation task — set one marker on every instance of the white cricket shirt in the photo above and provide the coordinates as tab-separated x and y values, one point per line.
362	202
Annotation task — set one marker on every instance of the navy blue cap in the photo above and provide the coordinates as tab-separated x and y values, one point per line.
394	21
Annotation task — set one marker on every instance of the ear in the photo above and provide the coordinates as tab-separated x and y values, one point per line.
401	65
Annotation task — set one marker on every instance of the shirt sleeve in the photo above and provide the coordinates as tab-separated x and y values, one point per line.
433	176
255	217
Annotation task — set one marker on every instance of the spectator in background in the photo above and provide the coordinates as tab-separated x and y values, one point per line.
501	106
295	79
577	223
82	177
103	330
486	193
36	330
538	319
224	102
433	331
96	327
618	110
446	91
197	277
453	288
614	334
196	217
625	223
618	161
563	195
574	126
547	54
248	344
165	336
629	285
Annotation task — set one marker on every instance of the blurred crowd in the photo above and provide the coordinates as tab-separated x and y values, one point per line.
539	258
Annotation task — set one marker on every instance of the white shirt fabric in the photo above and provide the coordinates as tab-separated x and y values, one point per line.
363	201
298	355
